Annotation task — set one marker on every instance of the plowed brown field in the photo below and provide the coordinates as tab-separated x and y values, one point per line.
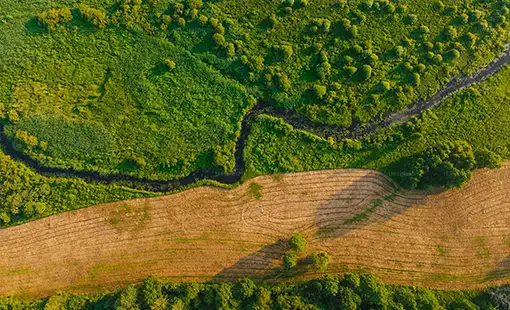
455	239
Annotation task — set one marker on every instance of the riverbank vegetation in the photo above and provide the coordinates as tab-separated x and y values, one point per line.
475	118
157	89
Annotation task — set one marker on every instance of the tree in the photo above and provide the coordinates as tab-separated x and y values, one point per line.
219	39
488	159
297	242
350	70
127	299
320	91
452	54
373	292
94	16
320	261
290	261
244	288
450	33
284	82
416	79
54	17
348	299
449	164
366	72
150	292
170	64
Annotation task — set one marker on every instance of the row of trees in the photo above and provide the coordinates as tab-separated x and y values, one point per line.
349	292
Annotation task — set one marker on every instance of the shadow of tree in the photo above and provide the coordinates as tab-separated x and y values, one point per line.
501	271
264	264
364	201
360	199
33	27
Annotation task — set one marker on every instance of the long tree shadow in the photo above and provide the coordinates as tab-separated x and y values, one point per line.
501	271
364	200
262	264
353	199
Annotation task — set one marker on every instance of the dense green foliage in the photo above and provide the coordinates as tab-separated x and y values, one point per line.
124	87
477	116
351	291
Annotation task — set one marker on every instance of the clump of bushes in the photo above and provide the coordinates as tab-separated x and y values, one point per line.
52	18
94	16
297	242
449	164
320	261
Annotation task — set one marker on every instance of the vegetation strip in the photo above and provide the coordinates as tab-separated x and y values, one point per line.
296	120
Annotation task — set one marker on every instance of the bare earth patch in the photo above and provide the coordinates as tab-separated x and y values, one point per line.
456	239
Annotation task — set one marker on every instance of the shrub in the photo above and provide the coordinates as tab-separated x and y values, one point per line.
366	72
170	64
320	261
290	261
54	17
452	54
320	91
488	159
219	39
297	242
94	16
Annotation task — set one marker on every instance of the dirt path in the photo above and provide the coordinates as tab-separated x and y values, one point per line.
300	122
456	239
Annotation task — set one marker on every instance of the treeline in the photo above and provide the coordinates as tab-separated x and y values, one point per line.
349	292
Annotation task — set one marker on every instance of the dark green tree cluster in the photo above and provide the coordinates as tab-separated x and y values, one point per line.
348	292
448	164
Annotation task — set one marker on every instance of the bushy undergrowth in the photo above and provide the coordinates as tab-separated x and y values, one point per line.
351	291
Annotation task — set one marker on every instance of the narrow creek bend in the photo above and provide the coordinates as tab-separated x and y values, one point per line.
294	119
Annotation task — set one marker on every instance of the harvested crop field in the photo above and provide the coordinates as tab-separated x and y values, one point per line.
456	239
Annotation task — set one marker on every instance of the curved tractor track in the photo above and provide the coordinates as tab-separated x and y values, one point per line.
298	121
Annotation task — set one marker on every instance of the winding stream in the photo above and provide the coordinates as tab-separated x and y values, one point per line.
296	120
